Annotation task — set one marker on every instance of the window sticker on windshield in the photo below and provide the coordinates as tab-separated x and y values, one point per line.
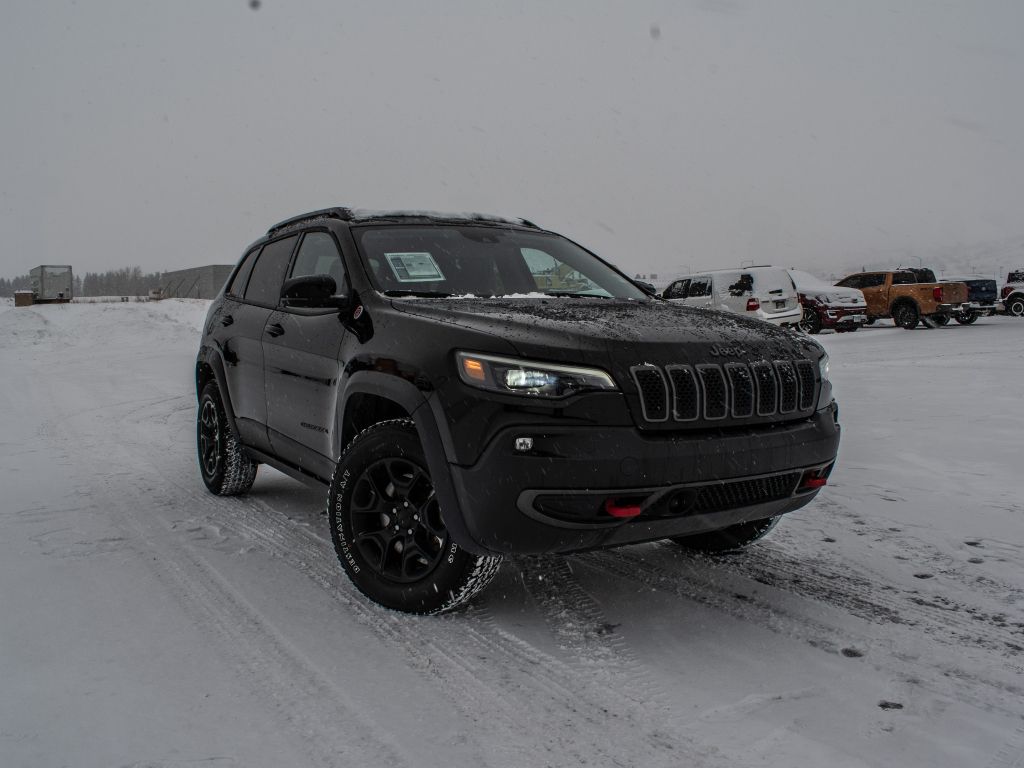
414	267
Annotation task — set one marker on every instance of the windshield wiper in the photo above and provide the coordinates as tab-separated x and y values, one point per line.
419	294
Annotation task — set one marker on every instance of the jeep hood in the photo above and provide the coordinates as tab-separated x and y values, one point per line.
616	334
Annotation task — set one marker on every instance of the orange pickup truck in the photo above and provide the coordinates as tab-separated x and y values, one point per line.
900	296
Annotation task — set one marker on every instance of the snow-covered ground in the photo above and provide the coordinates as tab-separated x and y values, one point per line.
144	622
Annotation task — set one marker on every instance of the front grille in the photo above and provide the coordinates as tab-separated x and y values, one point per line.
742	493
712	392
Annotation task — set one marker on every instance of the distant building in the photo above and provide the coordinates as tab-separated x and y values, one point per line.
196	283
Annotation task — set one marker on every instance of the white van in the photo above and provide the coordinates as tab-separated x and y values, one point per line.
767	293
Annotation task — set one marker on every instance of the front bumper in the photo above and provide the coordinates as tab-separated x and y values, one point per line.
832	318
552	498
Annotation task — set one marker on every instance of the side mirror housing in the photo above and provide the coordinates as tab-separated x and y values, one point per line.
312	291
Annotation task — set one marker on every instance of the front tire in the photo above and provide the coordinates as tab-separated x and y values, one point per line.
1015	306
388	528
223	463
730	539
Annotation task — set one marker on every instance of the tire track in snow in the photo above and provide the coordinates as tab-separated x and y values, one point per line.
468	657
714	584
581	628
267	662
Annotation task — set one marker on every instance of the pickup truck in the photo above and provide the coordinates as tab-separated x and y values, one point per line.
908	302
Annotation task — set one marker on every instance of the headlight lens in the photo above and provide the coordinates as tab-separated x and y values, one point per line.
512	376
823	365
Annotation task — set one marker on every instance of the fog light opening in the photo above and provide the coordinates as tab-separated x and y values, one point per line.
524	444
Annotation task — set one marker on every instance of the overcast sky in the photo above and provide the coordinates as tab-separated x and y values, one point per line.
660	134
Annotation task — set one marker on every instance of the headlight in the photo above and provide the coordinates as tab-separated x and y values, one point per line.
512	376
823	365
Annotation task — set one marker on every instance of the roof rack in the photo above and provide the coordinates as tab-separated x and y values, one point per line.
357	214
344	214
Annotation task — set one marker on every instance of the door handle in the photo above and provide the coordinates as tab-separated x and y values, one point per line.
227	320
275	330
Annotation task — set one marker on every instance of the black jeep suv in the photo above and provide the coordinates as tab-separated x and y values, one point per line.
469	386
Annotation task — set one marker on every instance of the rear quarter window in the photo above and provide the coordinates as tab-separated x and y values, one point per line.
238	282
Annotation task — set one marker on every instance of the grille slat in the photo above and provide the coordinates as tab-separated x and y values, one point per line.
653	392
767	388
805	371
788	386
742	384
685	392
716	395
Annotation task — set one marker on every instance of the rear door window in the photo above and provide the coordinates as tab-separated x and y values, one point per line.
871	281
268	274
699	286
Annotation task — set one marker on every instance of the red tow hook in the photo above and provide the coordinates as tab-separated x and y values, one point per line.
621	510
815	482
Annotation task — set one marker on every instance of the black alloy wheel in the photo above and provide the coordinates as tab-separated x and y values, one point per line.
966	318
810	322
225	467
210	438
388	527
905	315
396	521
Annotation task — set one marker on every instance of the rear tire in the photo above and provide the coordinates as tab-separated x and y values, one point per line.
388	528
906	315
225	467
966	318
1015	306
730	539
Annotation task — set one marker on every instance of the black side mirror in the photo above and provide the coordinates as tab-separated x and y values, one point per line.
313	291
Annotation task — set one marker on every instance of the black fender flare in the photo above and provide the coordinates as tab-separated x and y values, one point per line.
211	357
415	402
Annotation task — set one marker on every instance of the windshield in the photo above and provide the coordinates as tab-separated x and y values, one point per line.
457	260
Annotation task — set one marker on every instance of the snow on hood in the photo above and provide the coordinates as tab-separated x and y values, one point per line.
627	330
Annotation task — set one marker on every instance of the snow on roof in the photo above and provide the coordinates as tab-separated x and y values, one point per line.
362	214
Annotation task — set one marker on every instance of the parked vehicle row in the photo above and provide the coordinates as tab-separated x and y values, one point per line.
910	297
